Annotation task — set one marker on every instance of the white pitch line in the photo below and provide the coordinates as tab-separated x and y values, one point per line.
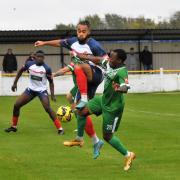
154	113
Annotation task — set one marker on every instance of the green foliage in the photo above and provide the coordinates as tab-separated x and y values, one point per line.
164	25
175	20
141	23
115	21
150	127
65	27
95	21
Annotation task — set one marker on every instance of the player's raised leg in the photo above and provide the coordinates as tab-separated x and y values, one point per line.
46	104
21	101
81	80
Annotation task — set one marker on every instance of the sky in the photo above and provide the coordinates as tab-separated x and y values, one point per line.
45	14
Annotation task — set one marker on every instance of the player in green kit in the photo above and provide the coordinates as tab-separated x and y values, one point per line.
111	103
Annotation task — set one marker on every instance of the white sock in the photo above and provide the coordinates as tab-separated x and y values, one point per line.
79	138
95	139
84	97
128	154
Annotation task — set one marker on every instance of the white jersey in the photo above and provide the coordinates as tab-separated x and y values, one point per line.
38	75
90	47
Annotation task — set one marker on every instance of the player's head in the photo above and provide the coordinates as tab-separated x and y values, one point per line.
39	56
117	57
83	31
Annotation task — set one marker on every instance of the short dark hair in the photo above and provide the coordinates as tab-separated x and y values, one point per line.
121	54
39	53
85	22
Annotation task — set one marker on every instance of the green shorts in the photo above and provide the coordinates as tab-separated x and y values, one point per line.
111	120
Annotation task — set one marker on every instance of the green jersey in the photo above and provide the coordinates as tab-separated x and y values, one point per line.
111	99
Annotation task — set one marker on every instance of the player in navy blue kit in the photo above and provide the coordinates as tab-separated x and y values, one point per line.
39	74
88	75
82	44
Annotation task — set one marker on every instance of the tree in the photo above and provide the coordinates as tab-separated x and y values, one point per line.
175	20
64	26
141	23
95	21
114	21
163	25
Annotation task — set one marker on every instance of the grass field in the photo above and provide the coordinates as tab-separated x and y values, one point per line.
150	127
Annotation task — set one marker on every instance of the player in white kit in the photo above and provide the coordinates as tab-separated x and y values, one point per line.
39	74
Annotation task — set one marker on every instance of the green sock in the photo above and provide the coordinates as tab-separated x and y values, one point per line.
81	122
116	143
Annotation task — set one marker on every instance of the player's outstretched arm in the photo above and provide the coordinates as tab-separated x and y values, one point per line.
83	57
61	71
55	43
94	59
18	75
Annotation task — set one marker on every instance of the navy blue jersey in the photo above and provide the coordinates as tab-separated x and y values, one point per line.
90	47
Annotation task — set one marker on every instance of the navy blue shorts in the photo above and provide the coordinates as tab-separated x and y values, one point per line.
93	85
40	94
96	81
97	76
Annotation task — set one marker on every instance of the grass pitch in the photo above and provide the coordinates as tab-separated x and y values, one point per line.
150	127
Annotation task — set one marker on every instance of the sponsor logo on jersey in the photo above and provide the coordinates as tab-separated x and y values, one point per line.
36	78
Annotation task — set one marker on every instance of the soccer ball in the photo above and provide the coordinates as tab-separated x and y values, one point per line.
64	113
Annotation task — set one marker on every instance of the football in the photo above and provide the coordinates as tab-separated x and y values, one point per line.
64	113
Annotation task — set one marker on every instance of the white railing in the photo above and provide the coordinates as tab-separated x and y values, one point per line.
140	82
